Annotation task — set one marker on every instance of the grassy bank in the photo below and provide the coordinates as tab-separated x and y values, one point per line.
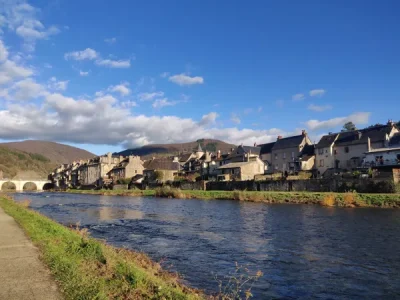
326	199
86	268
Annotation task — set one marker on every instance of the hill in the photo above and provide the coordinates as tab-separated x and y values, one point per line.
56	153
158	150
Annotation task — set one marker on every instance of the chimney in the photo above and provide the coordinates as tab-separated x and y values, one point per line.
279	137
303	133
219	154
390	123
359	135
369	144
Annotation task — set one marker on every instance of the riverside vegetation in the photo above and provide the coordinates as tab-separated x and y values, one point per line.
349	199
87	268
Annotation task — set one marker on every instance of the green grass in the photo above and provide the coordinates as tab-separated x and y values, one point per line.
86	268
340	199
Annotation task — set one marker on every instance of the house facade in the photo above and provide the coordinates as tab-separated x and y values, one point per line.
127	168
382	157
160	170
285	153
324	158
266	156
241	170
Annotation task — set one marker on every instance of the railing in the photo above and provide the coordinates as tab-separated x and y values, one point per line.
385	162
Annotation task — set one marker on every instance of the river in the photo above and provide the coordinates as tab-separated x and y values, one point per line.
304	251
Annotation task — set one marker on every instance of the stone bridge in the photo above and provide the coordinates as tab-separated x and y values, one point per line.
20	184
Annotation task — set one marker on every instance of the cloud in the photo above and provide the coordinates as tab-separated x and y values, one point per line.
114	63
182	79
150	96
3	52
120	88
259	109
48	66
317	93
26	89
208	119
21	18
110	40
82	73
248	111
360	118
164	74
319	108
235	119
298	97
10	71
57	85
280	103
160	103
87	54
128	104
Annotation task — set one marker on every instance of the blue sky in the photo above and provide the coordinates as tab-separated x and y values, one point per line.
108	76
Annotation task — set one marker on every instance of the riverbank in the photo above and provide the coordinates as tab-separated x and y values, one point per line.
326	199
86	268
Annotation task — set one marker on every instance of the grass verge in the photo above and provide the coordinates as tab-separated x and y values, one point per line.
86	268
325	199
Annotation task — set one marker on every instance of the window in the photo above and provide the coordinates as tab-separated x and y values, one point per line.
346	149
292	154
326	151
321	151
276	167
284	155
334	152
276	156
135	171
233	171
321	163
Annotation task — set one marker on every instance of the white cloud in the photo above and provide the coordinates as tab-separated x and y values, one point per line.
21	18
128	104
259	109
120	88
26	89
248	111
235	119
150	96
110	40
48	66
359	118
208	119
280	103
87	54
114	63
317	93
319	108
83	73
10	71
298	97
183	79
3	52
160	103
57	85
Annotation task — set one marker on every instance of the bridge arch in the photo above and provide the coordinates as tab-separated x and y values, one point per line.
29	186
8	185
20	184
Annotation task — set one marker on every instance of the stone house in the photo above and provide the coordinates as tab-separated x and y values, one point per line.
239	154
160	170
241	170
350	147
266	155
382	157
95	170
286	153
324	152
127	168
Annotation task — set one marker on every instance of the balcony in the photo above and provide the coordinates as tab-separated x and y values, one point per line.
384	162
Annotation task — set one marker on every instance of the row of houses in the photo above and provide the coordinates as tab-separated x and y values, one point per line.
342	151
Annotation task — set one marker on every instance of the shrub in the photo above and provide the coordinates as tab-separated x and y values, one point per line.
124	180
329	200
349	199
167	192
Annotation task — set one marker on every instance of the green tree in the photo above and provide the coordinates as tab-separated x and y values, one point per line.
349	126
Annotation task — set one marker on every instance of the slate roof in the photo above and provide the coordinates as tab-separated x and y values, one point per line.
289	142
395	140
308	150
161	164
376	134
266	148
326	140
185	157
252	150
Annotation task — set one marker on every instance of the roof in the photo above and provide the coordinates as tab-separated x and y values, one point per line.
289	142
327	140
185	157
199	149
308	150
161	164
234	165
395	140
266	148
384	150
252	150
376	134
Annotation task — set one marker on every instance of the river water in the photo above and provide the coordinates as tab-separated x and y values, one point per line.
304	251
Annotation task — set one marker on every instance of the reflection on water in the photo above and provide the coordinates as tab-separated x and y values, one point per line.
304	251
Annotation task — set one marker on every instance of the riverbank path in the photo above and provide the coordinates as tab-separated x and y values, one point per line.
22	274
